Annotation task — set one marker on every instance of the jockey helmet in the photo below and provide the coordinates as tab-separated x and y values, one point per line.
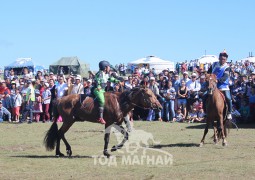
103	64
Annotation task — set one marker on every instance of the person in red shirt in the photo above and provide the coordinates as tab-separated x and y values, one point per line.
3	88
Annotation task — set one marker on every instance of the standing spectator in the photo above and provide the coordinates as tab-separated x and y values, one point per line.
108	87
77	88
46	98
182	97
61	88
193	87
30	99
37	105
153	86
52	88
251	96
17	102
88	88
169	95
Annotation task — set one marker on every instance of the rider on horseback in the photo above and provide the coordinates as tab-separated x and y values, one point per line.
101	78
221	70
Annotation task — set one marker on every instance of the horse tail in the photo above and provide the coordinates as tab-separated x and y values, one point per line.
51	137
55	110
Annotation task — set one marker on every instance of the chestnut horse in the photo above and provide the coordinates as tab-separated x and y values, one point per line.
216	111
117	106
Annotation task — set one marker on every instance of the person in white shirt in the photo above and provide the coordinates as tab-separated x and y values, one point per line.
193	87
46	99
77	88
61	88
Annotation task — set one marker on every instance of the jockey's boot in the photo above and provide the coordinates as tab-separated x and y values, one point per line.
101	113
229	116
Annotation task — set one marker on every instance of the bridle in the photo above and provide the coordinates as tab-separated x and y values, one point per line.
145	100
211	90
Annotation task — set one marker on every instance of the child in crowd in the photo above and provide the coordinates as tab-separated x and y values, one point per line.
37	106
179	117
46	98
199	105
16	104
192	115
200	116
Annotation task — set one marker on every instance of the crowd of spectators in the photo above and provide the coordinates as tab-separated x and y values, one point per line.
30	98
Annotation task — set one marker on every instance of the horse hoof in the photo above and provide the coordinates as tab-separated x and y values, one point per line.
107	154
225	144
201	144
69	152
60	155
114	148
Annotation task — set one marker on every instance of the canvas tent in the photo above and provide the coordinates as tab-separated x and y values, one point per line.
70	65
21	63
250	59
153	62
208	59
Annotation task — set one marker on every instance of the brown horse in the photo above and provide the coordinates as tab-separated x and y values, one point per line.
216	111
117	106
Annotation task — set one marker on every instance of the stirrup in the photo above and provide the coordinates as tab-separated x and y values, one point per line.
101	120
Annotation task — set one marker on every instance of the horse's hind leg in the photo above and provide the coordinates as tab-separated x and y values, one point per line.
122	130
64	128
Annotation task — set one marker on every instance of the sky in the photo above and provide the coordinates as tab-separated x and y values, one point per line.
122	31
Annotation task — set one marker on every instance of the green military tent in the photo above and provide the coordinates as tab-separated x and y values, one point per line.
70	65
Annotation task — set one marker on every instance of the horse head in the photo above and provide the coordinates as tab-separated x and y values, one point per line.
212	83
145	98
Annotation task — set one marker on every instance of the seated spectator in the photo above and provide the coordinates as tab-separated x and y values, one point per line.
4	112
192	115
200	116
179	117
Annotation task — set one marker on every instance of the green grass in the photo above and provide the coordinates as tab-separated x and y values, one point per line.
23	156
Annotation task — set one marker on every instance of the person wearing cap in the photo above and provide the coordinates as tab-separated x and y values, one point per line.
193	87
101	78
154	88
185	75
29	103
46	99
203	85
3	112
222	72
88	87
77	87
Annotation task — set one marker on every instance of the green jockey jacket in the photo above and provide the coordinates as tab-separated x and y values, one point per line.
101	79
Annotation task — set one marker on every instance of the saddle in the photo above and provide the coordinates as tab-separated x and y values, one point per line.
87	103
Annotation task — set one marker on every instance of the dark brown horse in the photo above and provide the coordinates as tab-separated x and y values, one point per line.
117	106
216	112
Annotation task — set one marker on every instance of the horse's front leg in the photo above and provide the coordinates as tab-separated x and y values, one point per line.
205	132
215	134
122	130
106	142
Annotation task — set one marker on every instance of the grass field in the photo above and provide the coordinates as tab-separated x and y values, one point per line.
23	156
